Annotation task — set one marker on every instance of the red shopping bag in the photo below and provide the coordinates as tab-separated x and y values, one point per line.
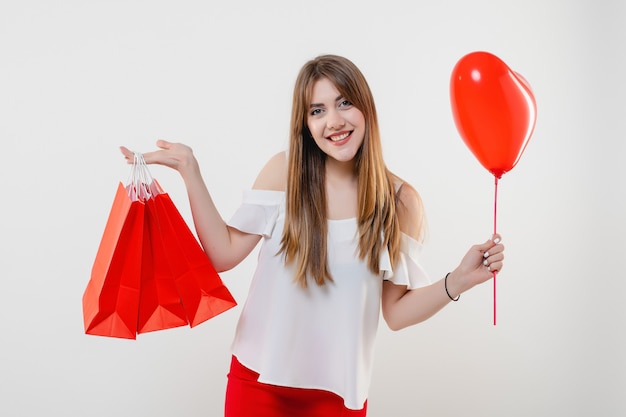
150	272
111	298
160	305
201	289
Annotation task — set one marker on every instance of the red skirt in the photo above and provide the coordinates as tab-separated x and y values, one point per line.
246	397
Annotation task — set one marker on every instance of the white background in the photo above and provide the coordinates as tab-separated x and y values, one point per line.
80	78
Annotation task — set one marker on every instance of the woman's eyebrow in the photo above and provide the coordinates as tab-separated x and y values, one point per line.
322	104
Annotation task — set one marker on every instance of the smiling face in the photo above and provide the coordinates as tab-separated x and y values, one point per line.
336	125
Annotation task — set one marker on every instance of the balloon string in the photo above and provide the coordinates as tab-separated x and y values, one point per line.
495	218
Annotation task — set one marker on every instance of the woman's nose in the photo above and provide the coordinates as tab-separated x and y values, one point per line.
335	121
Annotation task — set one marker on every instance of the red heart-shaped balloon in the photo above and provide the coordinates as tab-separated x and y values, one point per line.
494	110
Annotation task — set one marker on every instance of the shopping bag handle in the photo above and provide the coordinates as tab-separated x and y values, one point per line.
140	185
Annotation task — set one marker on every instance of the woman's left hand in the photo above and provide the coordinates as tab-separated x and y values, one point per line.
478	265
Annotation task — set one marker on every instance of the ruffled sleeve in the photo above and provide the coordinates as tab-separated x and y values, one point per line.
258	212
407	271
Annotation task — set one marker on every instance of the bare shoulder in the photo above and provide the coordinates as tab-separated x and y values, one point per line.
273	175
408	197
410	211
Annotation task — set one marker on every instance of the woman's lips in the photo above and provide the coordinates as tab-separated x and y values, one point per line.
339	137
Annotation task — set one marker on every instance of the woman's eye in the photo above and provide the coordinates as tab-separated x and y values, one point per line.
315	112
345	103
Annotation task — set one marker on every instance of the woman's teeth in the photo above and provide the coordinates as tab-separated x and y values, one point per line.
340	137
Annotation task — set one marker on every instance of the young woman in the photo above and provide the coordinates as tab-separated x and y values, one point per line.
341	238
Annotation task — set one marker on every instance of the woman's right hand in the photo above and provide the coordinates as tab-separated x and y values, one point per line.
174	155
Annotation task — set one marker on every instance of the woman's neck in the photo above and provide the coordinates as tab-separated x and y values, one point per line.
340	171
341	190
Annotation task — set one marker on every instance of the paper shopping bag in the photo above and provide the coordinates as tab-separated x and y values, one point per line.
160	305
111	298
201	289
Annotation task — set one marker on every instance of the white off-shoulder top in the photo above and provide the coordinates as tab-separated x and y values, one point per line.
320	337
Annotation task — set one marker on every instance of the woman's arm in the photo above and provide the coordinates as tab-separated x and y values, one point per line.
401	307
225	246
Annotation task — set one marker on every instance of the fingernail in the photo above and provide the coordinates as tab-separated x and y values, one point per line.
486	255
496	240
485	262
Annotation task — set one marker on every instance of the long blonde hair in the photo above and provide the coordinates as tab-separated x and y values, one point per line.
304	235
